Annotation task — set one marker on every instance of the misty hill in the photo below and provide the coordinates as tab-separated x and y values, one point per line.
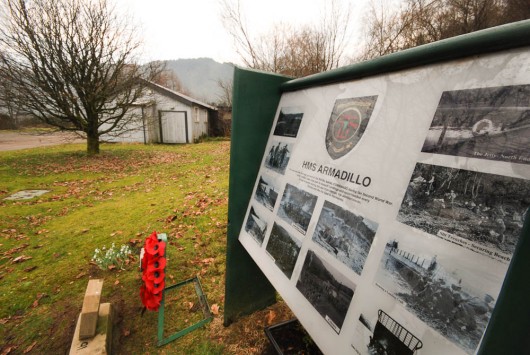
199	76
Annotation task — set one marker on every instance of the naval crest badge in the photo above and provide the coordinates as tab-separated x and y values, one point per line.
347	124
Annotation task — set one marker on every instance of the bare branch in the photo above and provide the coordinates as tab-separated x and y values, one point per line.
286	50
72	64
419	22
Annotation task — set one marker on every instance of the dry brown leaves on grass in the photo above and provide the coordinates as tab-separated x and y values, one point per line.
247	335
100	163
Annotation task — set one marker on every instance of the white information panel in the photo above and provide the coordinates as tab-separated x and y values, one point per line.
387	209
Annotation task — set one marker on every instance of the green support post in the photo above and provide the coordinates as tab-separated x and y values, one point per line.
255	99
508	332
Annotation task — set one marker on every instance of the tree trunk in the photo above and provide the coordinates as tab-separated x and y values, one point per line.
92	144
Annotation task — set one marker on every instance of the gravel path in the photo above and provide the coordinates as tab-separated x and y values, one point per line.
15	140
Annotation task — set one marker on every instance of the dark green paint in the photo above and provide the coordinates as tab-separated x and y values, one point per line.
508	332
256	97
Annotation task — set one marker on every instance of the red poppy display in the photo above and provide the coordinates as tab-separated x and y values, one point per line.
153	275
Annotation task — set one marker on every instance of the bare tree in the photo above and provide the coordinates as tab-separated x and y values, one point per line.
418	22
287	50
225	98
167	78
11	112
72	64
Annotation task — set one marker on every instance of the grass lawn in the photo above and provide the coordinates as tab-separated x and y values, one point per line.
120	197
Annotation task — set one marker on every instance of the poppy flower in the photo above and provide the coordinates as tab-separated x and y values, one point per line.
155	247
150	301
153	287
156	276
156	264
153	275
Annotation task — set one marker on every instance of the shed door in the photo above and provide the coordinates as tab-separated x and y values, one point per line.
173	127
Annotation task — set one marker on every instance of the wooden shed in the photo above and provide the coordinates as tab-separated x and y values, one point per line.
164	116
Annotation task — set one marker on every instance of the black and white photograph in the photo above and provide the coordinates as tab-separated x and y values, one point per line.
388	336
485	123
283	248
326	289
267	192
345	235
297	207
483	208
278	155
288	122
347	124
256	225
452	290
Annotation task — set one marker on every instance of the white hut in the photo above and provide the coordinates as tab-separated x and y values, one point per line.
164	116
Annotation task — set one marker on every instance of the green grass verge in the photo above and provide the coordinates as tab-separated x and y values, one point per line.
118	197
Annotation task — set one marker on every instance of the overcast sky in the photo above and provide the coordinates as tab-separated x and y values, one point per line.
174	29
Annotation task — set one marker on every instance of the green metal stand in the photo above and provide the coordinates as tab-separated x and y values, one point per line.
256	97
204	305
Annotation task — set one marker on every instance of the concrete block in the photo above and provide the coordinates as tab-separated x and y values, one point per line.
89	312
101	343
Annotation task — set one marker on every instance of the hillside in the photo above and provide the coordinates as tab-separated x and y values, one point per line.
199	76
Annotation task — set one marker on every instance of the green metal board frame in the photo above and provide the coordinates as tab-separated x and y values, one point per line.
204	305
509	328
256	97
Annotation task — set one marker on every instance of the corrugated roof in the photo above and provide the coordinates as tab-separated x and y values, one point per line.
179	96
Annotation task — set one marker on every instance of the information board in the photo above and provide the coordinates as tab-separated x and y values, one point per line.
386	210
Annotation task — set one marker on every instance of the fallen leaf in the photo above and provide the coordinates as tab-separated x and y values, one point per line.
39	296
190	305
215	309
15	250
29	348
20	259
31	268
111	267
270	317
9	349
80	275
170	219
117	282
126	332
